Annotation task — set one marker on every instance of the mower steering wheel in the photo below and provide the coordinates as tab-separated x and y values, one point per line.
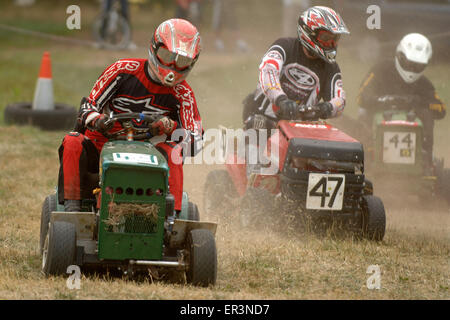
309	113
125	120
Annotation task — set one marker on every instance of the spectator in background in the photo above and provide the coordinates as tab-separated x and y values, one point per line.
107	6
224	17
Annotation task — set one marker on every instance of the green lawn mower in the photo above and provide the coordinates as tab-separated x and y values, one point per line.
127	227
398	155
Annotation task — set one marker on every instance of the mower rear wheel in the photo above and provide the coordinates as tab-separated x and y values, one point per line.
48	206
193	213
218	191
443	184
255	209
373	218
202	268
59	248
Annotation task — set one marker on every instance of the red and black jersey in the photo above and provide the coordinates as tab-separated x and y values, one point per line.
126	86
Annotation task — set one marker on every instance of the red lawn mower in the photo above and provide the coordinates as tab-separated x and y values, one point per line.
318	180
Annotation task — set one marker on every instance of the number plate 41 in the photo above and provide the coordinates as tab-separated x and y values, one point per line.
325	191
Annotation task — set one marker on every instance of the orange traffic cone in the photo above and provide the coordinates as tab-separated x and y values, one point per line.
43	94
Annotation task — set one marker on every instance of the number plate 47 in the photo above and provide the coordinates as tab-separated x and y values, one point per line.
325	191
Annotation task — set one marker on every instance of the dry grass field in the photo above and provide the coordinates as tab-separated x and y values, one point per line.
413	257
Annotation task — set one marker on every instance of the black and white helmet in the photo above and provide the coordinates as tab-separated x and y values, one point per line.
319	29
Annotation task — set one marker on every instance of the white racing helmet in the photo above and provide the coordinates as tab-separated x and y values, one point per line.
412	56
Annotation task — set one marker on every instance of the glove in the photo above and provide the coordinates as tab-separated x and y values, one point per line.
164	125
325	110
258	121
101	125
288	109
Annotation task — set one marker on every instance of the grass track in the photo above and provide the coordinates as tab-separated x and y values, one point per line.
414	257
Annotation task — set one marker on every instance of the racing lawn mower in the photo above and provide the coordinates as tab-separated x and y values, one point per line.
397	152
126	226
319	179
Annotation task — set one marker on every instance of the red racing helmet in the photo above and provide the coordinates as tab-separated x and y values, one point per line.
174	49
319	29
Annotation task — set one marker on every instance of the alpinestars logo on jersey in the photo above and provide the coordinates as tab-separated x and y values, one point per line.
124	104
301	77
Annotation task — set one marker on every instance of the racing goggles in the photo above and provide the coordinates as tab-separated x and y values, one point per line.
327	39
169	58
410	66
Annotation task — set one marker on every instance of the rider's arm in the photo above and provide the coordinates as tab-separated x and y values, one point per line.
437	107
366	96
269	73
333	93
374	87
103	90
433	102
189	119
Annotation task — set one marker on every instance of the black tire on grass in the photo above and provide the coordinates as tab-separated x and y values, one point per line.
374	218
62	117
59	248
443	184
202	269
48	206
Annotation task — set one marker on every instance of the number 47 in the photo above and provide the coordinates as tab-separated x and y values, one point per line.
323	194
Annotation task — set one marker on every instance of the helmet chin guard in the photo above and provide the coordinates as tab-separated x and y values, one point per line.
408	77
169	79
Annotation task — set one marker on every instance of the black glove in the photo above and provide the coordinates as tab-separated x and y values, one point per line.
101	124
325	110
288	109
259	121
79	127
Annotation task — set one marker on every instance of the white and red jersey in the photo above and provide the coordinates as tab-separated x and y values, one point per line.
286	70
126	86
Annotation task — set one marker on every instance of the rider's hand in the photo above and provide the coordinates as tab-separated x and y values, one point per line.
287	108
164	125
101	124
325	110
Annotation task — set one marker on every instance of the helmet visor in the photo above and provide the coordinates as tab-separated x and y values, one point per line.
327	39
408	65
170	58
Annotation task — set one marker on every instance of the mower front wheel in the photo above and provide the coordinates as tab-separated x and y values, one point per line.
59	249
373	218
202	267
